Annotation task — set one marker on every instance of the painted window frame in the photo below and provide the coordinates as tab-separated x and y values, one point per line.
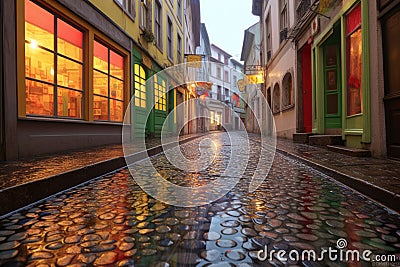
57	55
170	39
110	98
139	76
349	79
158	25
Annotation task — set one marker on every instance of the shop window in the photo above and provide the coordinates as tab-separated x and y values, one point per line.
140	86
354	61
287	90
276	99
160	94
53	64
108	84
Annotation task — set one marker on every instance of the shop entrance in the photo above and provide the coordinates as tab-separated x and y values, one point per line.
332	83
391	48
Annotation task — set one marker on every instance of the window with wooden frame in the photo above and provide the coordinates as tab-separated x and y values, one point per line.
160	94
179	49
179	4
129	6
108	83
170	49
157	24
53	64
143	13
140	86
354	61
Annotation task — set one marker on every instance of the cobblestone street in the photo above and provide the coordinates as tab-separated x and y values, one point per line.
111	221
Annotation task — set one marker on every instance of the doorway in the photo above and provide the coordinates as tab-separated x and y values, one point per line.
332	82
391	57
306	88
2	139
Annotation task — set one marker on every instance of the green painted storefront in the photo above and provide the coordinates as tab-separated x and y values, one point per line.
151	102
332	82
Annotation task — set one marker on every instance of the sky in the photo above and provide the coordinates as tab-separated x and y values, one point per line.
226	21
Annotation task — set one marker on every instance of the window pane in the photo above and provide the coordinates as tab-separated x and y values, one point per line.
100	83
100	108
116	65
332	104
354	72
69	103
100	60
39	26
39	98
69	73
116	110
39	64
117	89
69	41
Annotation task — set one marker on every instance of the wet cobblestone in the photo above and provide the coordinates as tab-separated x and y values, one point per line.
111	221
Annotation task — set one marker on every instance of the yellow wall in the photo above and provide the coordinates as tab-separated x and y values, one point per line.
131	26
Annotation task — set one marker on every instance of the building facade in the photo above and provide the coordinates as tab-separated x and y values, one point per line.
220	95
255	111
73	67
278	58
384	25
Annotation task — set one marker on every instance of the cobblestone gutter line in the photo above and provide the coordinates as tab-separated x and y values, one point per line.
381	195
16	197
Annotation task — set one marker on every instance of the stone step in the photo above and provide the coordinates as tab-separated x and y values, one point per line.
350	151
324	140
301	138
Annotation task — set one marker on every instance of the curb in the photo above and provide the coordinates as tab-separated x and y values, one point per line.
17	197
381	195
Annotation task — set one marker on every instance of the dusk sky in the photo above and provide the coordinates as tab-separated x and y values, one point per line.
226	21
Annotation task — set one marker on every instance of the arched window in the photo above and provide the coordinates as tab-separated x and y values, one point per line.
276	99
140	86
160	93
287	90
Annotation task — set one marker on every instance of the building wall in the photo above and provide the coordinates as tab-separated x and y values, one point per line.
130	25
378	127
282	62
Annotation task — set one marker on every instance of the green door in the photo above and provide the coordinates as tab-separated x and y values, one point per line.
332	82
142	102
160	104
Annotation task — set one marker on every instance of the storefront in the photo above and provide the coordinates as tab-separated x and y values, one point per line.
341	93
71	86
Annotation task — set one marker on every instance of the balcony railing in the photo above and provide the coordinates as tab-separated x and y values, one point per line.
302	8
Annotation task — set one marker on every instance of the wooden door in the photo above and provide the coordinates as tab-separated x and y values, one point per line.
332	81
306	88
391	48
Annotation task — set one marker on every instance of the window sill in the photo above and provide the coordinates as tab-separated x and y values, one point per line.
67	120
276	112
288	108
